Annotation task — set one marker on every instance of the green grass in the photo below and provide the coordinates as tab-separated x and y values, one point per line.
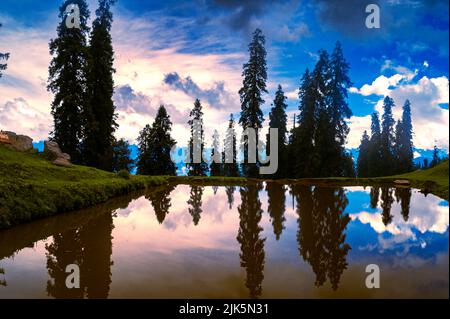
33	188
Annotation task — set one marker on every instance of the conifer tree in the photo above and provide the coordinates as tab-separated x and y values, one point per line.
67	80
229	147
363	157
387	137
278	119
404	142
100	114
155	144
216	156
435	160
254	85
197	143
121	156
374	147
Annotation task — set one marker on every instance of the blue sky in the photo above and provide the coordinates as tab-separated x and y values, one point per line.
174	51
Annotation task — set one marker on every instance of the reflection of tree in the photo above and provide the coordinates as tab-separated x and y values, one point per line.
404	196
215	189
2	281
160	200
374	196
386	203
252	246
89	247
229	190
276	206
195	203
321	234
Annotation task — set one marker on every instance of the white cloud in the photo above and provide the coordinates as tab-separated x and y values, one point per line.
430	121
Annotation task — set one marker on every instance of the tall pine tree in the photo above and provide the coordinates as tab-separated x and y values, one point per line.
278	120
67	80
254	85
216	156
230	166
197	143
387	138
374	147
100	111
155	144
363	157
404	143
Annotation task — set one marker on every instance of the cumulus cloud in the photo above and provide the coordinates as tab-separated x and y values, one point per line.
18	116
430	120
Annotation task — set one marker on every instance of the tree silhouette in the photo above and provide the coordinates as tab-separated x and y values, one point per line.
121	159
386	204
387	137
197	143
67	81
155	144
229	147
321	233
276	206
252	246
88	246
374	196
216	156
229	190
100	118
160	200
363	158
195	203
404	196
254	85
403	141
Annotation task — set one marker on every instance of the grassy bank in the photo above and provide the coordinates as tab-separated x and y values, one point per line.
33	188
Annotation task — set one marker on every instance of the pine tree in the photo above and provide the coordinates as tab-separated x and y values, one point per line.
339	111
100	111
229	147
3	56
197	142
155	144
303	134
195	203
67	81
374	147
121	159
325	146
216	156
387	137
435	160
254	85
363	158
278	119
403	141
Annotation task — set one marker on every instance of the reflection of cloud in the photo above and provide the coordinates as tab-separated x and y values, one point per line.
425	216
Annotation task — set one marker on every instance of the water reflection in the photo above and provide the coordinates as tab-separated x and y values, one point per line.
248	241
252	245
321	231
195	203
160	200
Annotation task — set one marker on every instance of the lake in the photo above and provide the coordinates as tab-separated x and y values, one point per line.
265	240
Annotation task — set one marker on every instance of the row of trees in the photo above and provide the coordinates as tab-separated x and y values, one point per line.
389	149
313	148
81	79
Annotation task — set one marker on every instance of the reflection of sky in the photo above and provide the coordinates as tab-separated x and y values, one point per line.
178	259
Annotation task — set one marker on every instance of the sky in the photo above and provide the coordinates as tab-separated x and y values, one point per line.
172	52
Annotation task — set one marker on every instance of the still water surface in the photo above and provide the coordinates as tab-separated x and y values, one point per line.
257	241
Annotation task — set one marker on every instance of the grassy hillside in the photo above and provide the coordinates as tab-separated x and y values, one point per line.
32	188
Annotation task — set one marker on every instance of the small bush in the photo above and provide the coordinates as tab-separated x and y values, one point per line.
123	173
